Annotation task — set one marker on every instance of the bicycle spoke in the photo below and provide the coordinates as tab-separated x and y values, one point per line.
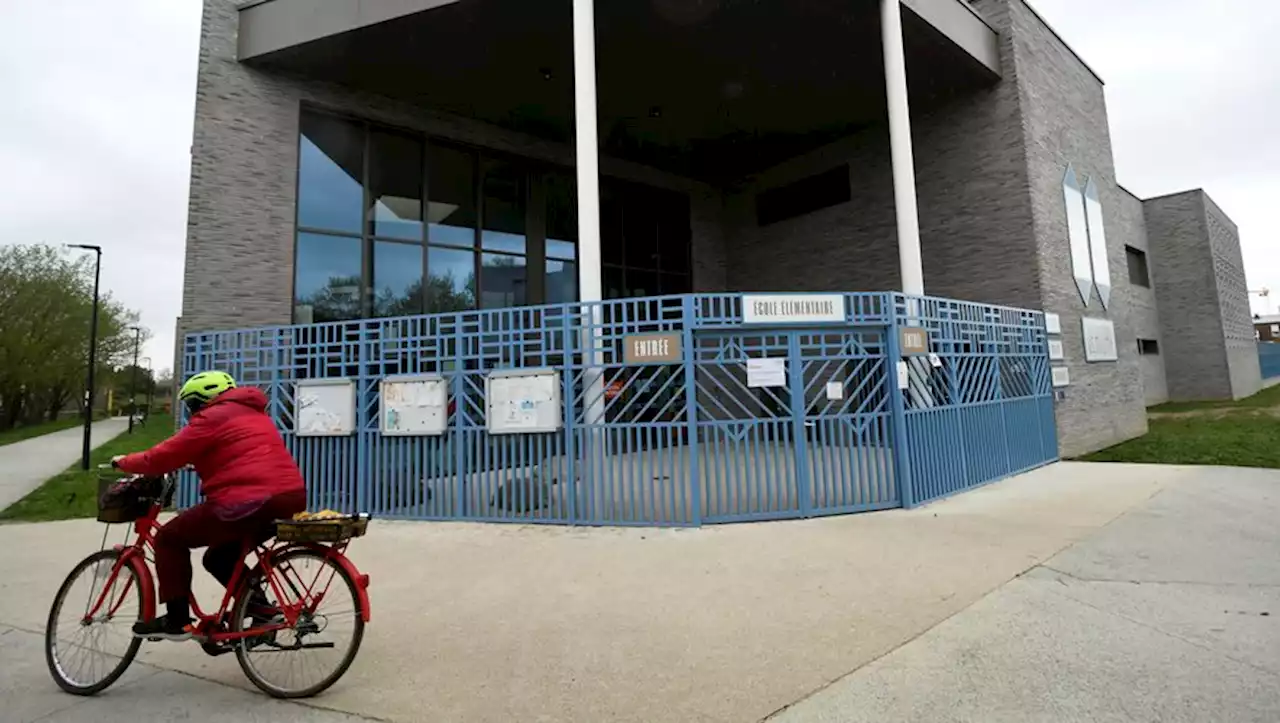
87	648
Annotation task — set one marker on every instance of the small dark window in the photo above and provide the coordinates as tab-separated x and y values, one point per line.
1148	347
804	196
1138	274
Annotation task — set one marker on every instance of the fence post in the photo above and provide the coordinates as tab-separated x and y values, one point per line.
362	419
460	473
694	471
569	407
901	452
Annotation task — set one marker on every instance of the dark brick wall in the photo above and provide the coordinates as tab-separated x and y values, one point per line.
1190	320
1064	117
1141	301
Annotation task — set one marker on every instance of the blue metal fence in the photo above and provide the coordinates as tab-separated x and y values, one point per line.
1269	359
680	442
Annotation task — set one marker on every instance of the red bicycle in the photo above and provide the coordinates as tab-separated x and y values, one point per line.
318	599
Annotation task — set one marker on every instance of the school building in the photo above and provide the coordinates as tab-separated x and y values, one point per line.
358	161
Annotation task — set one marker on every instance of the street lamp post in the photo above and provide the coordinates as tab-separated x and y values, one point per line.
133	377
151	388
93	353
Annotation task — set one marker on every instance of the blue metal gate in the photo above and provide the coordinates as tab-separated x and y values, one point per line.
677	442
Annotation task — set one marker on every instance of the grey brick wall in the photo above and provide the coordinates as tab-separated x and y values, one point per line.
1243	367
1141	301
1191	326
989	170
240	239
1064	117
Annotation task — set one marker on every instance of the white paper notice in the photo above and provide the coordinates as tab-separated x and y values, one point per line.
835	391
903	375
766	373
935	361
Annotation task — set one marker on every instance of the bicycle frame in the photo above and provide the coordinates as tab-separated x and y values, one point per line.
210	627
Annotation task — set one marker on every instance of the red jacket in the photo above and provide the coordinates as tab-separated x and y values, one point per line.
234	447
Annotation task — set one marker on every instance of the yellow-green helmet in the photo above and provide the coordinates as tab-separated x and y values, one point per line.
203	387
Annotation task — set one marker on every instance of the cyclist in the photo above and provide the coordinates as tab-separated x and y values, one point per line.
248	480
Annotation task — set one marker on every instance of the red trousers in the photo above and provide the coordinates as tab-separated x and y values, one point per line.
224	531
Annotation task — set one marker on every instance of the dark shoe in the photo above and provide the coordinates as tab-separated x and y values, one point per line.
163	628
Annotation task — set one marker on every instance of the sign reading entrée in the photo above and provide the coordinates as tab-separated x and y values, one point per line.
793	309
652	349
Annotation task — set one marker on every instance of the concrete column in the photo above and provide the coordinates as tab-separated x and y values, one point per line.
590	286
904	173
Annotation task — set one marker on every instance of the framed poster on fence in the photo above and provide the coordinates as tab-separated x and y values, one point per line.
324	408
523	401
414	406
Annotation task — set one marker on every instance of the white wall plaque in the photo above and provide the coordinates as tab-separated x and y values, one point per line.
792	308
523	401
904	375
324	408
1056	352
835	391
763	373
1061	377
414	406
1052	323
1099	340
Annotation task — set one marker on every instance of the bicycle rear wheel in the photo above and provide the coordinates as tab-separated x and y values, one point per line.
306	659
88	641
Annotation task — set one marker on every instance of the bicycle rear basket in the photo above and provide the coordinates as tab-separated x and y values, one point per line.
119	501
338	529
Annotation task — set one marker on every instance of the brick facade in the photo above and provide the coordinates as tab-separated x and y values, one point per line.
989	171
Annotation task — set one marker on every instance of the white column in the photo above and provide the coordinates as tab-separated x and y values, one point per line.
588	152
904	173
590	288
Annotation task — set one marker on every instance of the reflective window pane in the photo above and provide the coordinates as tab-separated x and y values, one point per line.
327	274
614	279
562	282
562	215
451	280
397	279
504	281
671	284
640	228
451	210
641	283
395	186
330	168
563	250
674	235
504	209
611	240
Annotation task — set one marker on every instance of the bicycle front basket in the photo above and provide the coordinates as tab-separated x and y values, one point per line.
120	502
338	529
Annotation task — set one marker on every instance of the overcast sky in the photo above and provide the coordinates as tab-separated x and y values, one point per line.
95	124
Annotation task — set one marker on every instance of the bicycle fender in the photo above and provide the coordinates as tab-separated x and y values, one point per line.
360	579
138	563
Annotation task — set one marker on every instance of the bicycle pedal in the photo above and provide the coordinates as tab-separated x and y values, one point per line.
213	650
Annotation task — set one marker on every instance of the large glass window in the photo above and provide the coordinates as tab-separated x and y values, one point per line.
390	223
330	169
645	240
327	278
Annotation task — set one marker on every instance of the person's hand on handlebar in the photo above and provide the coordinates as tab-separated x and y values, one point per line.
115	461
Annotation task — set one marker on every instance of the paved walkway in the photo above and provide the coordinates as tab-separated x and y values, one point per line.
735	623
26	464
1171	613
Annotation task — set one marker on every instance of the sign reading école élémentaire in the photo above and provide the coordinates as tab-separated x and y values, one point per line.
793	308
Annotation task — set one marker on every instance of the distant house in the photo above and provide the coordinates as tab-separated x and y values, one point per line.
1267	328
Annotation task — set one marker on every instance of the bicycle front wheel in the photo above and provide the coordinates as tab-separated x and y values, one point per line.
88	641
303	660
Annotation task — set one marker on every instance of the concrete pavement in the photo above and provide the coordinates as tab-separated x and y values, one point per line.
25	465
1171	613
733	623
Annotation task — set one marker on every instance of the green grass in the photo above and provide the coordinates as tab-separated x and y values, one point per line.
74	493
1236	439
1263	399
17	434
